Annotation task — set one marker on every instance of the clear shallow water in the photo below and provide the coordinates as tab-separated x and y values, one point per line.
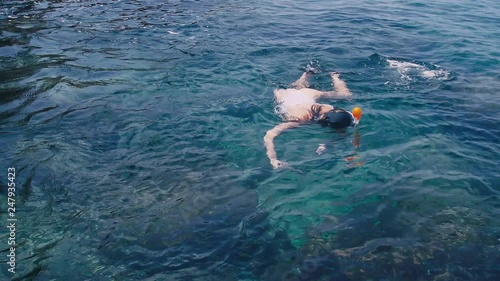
136	130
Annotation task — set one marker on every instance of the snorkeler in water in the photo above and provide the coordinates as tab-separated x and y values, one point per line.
298	105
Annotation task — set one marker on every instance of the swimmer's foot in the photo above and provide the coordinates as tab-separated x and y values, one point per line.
335	74
313	67
311	70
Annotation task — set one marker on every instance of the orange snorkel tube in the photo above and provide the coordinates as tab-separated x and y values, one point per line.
357	112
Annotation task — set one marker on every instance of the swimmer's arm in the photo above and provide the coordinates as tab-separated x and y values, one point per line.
269	138
339	85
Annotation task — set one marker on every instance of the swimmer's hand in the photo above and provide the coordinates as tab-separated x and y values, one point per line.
278	164
321	149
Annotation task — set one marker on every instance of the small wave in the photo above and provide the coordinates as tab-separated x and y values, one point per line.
403	65
437	74
280	110
409	70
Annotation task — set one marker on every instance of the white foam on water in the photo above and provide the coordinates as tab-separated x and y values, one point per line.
409	69
403	66
313	67
439	74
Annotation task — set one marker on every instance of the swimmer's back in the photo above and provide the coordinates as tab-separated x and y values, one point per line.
293	97
293	104
304	95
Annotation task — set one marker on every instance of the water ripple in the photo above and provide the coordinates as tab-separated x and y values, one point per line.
136	129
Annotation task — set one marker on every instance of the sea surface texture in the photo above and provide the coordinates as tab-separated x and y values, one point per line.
136	131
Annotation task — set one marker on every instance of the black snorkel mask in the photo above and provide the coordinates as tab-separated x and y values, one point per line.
337	119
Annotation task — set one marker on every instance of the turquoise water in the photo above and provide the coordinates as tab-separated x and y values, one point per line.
136	129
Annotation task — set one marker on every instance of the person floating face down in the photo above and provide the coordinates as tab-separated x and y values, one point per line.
298	105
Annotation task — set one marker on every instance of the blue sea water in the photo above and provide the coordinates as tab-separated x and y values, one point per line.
135	128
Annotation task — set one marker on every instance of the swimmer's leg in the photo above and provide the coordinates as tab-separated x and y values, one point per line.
339	86
301	82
